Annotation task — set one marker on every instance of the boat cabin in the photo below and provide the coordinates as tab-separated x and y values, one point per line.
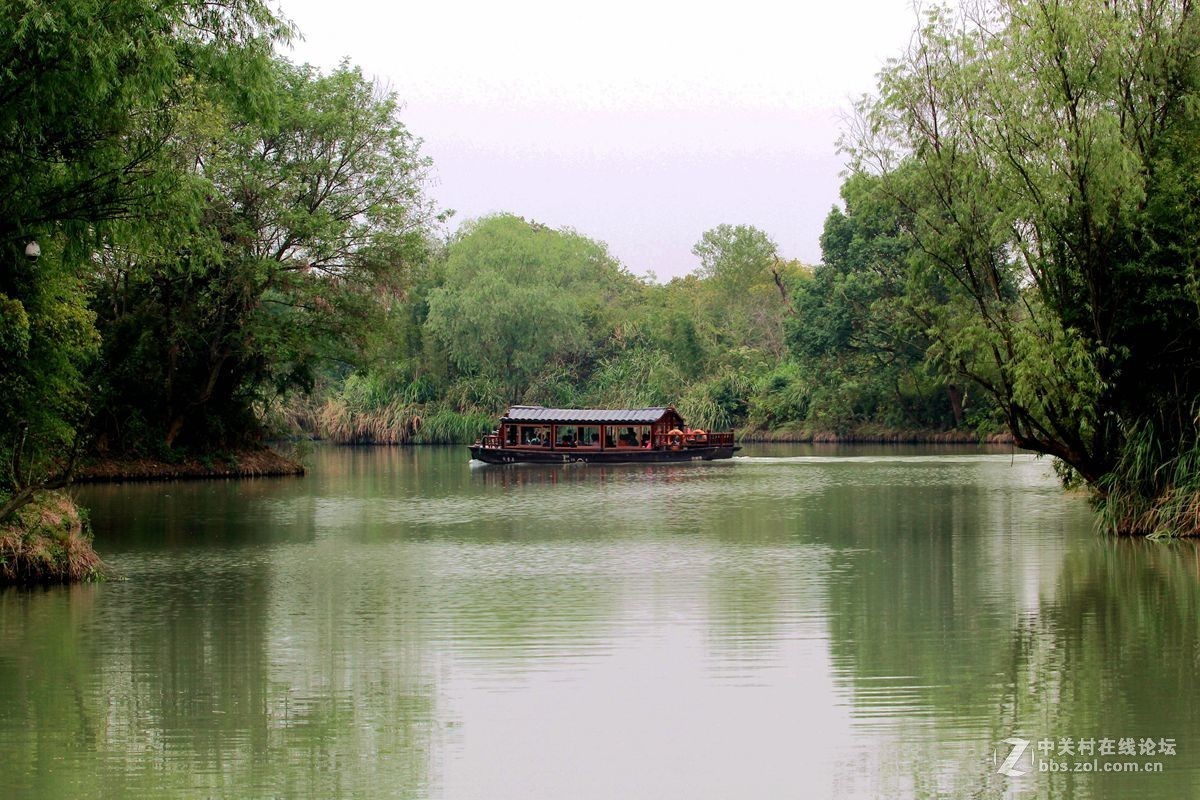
604	435
529	427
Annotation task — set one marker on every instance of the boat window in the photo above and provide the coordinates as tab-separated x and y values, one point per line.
617	436
532	435
510	434
568	436
627	435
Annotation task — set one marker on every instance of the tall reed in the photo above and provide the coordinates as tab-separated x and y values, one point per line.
1154	488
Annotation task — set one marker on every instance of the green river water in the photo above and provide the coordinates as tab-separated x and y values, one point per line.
798	623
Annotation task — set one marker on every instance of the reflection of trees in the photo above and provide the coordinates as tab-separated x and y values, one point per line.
955	628
512	610
173	686
210	513
275	637
44	684
941	576
922	599
1115	654
354	698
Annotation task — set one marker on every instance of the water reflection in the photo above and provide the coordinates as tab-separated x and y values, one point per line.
853	623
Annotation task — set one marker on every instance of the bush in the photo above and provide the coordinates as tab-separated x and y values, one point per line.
780	397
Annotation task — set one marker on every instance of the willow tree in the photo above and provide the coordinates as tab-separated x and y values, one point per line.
1048	153
90	92
522	304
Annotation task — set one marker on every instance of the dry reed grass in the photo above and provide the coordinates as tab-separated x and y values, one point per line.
48	542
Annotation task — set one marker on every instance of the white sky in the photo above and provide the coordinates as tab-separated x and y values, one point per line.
641	124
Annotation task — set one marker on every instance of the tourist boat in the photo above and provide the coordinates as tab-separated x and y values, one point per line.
538	435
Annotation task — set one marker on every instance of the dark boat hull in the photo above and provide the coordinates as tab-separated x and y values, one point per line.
500	455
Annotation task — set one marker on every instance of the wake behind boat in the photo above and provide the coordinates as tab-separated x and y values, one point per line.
539	435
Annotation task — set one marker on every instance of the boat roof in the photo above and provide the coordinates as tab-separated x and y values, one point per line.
612	415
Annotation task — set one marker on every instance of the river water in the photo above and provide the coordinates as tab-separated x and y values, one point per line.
801	622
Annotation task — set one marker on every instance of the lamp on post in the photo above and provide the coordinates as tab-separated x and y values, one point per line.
33	251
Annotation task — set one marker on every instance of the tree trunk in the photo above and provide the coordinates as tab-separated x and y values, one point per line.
956	403
173	430
783	292
25	490
19	499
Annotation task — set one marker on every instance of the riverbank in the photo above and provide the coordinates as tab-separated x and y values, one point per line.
48	541
256	462
336	421
755	436
872	435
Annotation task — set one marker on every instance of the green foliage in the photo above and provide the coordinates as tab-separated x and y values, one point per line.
556	385
481	393
708	342
92	90
636	377
47	343
303	222
1154	488
1047	159
92	87
717	404
780	397
445	426
734	255
856	330
744	297
518	297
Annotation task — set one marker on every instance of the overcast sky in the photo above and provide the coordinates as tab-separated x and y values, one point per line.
641	124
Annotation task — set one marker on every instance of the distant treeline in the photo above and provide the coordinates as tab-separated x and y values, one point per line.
204	244
510	311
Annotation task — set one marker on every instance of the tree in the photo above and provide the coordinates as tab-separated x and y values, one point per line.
1050	167
47	342
747	296
854	327
519	299
291	236
89	93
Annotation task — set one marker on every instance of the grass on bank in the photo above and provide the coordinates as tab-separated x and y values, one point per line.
1154	489
46	542
337	420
